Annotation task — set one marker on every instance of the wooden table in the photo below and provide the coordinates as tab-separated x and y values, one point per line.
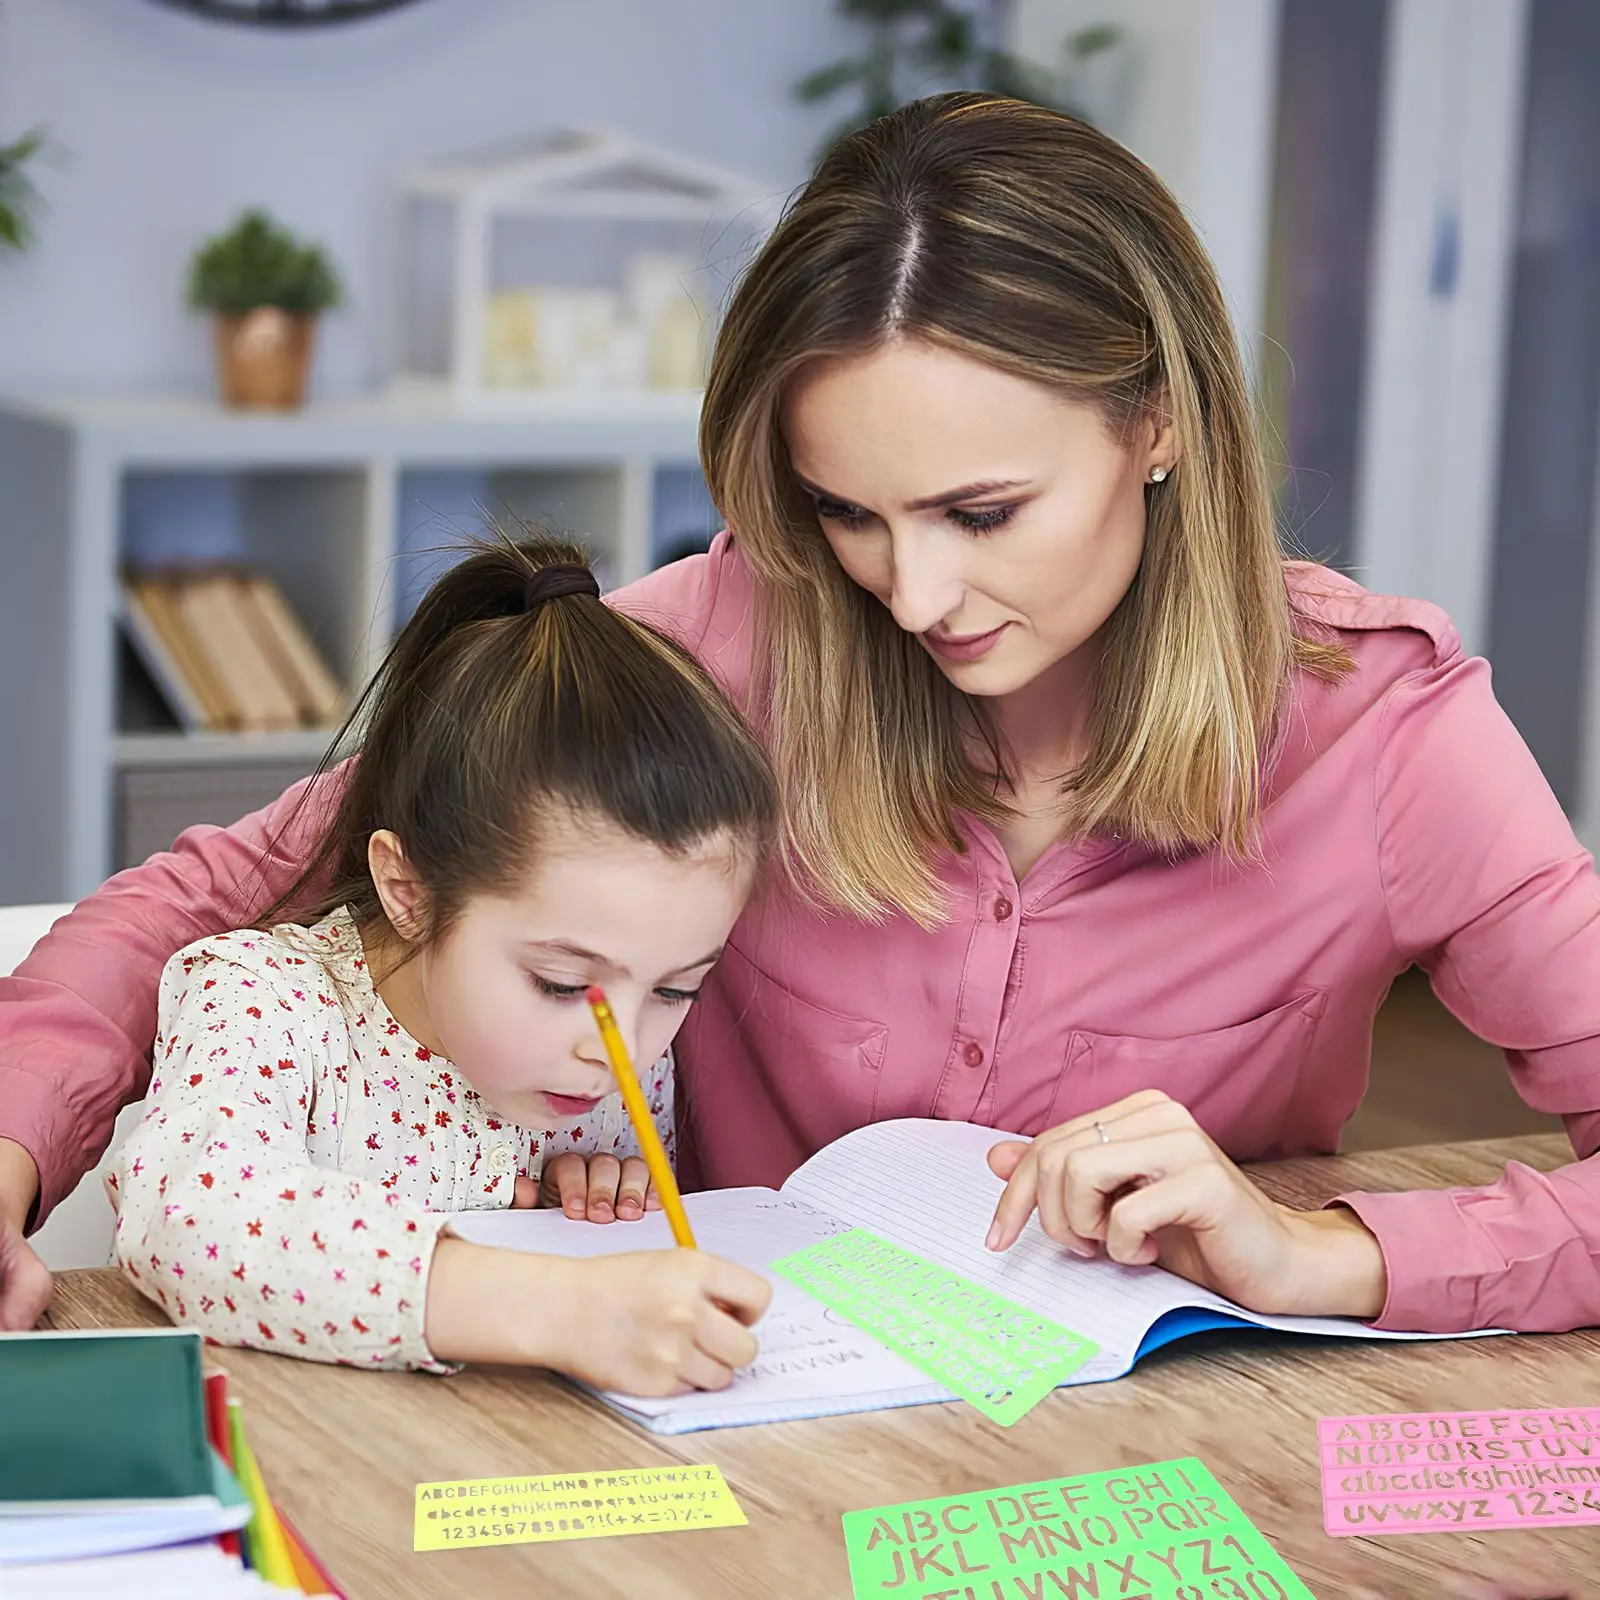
342	1450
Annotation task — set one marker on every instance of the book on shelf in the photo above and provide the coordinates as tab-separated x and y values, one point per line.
314	689
227	652
163	649
210	608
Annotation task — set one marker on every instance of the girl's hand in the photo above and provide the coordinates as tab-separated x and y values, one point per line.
1156	1189
650	1323
599	1188
660	1322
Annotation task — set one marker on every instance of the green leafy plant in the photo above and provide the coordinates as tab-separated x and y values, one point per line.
258	262
917	47
18	197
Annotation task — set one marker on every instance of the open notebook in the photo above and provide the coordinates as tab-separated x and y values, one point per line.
926	1186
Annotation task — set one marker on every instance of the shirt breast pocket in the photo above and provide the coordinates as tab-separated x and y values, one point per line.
753	1039
1239	1082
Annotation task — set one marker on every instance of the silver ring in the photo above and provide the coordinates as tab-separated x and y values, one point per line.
1100	1128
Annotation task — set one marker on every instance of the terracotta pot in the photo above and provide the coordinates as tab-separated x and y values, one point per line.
264	357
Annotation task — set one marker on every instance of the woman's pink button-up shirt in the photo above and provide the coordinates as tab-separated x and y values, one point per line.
1405	820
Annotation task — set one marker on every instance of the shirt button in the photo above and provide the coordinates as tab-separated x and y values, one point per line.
1002	908
500	1160
973	1054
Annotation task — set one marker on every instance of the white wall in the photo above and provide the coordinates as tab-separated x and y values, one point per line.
1200	113
171	124
1429	458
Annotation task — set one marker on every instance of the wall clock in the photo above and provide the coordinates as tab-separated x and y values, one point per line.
286	13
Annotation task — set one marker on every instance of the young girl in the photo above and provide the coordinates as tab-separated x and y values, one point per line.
548	795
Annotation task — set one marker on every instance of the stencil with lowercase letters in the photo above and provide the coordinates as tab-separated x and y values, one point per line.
1460	1471
591	1505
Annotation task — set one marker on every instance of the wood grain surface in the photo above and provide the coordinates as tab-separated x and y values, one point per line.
342	1451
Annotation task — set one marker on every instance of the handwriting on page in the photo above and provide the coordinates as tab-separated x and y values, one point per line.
806	1351
591	1505
1460	1471
993	1353
1161	1532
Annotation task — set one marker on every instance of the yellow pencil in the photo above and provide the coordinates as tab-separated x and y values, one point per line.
644	1127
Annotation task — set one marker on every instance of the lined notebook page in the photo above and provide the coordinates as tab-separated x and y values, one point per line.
811	1361
925	1185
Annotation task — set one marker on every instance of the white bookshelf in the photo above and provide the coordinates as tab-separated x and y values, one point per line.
149	750
322	499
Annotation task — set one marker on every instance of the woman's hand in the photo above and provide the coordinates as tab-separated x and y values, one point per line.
599	1188
1156	1189
25	1282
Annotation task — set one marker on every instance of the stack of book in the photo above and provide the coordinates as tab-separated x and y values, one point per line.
123	1471
227	652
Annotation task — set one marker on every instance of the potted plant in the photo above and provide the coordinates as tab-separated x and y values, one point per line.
18	197
917	47
265	289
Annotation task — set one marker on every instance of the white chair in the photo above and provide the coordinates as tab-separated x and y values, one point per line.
78	1233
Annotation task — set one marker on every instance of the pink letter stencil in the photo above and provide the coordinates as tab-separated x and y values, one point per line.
1460	1471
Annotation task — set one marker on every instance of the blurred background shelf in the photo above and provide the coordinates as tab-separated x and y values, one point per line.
148	750
351	506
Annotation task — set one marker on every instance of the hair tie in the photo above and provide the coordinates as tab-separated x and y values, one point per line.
555	581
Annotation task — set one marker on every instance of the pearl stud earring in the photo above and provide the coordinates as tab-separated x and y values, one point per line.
1158	474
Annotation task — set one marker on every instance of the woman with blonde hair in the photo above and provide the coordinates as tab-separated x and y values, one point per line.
1103	823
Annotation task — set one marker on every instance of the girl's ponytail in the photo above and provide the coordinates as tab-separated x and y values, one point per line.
500	579
514	690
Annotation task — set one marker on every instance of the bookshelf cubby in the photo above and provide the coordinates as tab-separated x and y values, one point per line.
352	507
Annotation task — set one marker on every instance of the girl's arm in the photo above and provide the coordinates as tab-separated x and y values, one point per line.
1489	890
224	1221
222	1218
